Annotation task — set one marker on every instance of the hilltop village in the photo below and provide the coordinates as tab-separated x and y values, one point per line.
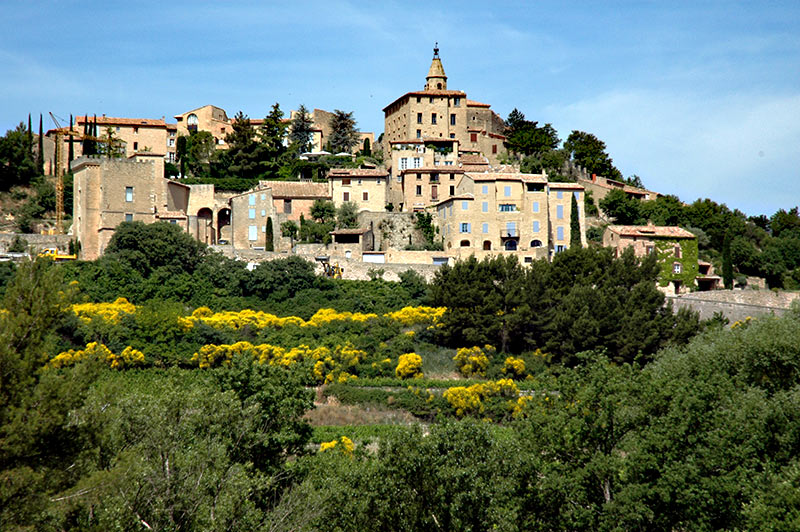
445	187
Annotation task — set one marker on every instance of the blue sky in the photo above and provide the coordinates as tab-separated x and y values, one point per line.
700	99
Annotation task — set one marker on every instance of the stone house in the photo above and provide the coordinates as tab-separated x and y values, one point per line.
207	118
510	212
437	113
366	187
675	248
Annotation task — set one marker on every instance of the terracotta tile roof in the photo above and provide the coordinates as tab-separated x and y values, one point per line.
296	189
472	158
172	127
357	172
112	121
573	186
433	170
651	231
473	103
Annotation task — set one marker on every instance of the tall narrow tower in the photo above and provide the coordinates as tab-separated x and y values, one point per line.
436	80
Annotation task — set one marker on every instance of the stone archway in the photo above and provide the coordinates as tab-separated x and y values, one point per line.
205	226
224	225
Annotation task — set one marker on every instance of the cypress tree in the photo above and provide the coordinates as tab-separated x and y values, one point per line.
270	243
30	137
574	224
727	264
40	155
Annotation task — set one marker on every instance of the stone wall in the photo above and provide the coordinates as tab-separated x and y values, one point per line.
392	229
736	304
36	242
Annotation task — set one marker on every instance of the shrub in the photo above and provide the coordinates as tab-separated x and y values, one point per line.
409	366
473	361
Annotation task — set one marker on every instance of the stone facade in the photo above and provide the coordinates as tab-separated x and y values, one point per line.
366	187
437	114
110	191
207	118
510	212
676	251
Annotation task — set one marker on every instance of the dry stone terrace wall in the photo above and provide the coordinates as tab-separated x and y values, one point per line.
736	304
37	242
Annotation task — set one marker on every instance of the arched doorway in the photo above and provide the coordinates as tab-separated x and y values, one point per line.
511	245
487	245
224	225
465	243
205	226
536	243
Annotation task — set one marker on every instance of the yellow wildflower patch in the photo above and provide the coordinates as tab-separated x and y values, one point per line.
409	366
108	312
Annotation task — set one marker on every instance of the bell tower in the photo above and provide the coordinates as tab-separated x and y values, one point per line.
436	80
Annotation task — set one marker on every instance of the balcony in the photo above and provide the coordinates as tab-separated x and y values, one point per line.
506	234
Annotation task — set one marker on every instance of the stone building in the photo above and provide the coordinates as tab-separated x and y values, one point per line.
675	249
366	187
207	118
110	191
510	212
437	113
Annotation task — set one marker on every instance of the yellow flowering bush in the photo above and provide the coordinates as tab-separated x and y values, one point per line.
515	367
108	312
344	444
409	366
470	400
409	316
128	358
472	361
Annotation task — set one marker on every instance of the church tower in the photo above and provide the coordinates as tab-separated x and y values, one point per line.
436	80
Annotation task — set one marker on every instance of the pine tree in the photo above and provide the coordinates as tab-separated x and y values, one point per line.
344	134
300	131
40	154
270	243
574	224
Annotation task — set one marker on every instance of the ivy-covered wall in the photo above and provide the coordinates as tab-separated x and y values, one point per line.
665	250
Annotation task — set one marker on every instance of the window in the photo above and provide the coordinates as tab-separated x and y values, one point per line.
511	245
464	205
171	143
559	212
485	228
433	118
535	206
345	196
419	190
650	250
677	268
171	221
263	197
452	119
452	135
465	227
430	99
252	232
135	146
507	191
560	194
251	213
346	180
507	207
528	260
473	137
251	199
465	243
452	190
417	162
434	192
677	252
419	118
136	130
494	148
485	206
263	212
403	165
128	194
456	101
536	243
287	206
536	227
560	248
511	228
560	233
419	177
535	187
128	217
452	176
365	196
263	228
419	99
434	178
485	189
419	133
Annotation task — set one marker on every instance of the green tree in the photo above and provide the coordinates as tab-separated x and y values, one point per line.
347	215
588	151
527	138
280	279
300	130
344	135
241	159
40	150
147	247
574	224
727	264
289	229
622	208
111	146
366	150
17	166
200	153
270	241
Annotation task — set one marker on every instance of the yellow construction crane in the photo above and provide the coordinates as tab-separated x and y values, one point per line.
59	174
